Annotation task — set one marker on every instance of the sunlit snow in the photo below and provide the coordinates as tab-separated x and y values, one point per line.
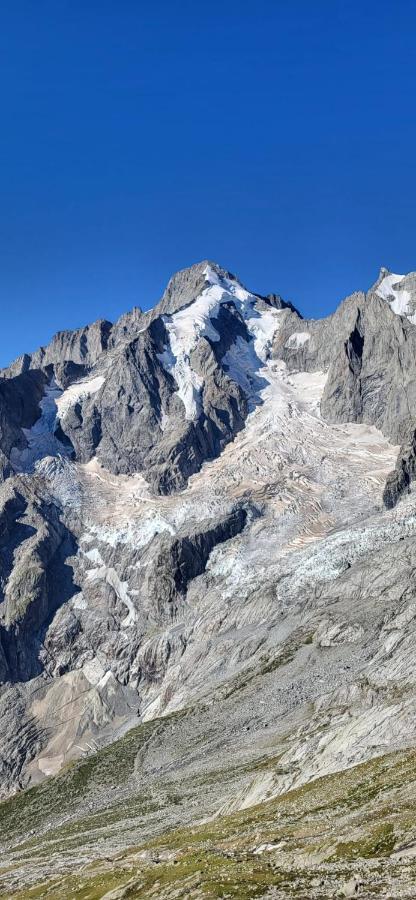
41	440
188	325
81	390
297	339
399	299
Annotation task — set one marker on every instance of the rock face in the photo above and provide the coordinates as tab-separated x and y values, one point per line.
368	352
34	576
205	506
19	408
148	428
69	351
399	480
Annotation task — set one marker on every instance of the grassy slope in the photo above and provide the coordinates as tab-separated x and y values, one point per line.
322	833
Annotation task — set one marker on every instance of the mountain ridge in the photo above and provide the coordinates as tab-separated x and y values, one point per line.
211	516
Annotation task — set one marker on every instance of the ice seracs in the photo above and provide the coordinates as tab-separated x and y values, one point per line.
41	439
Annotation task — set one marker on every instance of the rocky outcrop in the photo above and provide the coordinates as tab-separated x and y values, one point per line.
84	346
399	480
136	420
178	561
20	396
368	351
122	418
371	377
81	347
35	578
143	589
185	286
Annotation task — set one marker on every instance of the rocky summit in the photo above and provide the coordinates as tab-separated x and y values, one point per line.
207	600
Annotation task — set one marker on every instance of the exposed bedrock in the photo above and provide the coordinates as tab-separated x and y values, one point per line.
216	530
131	593
368	352
81	347
399	480
19	408
35	577
136	421
183	558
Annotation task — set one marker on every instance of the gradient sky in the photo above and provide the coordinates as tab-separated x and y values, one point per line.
136	138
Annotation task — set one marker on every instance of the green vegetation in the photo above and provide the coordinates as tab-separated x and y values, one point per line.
380	843
354	818
111	767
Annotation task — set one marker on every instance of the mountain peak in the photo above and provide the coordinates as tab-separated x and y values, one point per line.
187	284
399	291
198	508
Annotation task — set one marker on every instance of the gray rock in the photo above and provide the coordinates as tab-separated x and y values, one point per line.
34	576
235	556
20	396
368	352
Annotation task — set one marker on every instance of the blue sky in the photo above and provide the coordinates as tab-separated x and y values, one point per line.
136	138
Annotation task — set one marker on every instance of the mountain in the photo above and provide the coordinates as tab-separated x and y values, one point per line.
207	566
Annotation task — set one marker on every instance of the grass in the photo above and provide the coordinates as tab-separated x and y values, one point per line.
329	826
110	768
380	842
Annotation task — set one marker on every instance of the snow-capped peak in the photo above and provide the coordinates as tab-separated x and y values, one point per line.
399	292
197	320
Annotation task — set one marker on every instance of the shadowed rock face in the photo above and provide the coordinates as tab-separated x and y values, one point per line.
368	352
123	424
136	422
399	480
19	408
178	561
191	515
34	576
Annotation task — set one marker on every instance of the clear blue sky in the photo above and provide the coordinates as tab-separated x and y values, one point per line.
276	136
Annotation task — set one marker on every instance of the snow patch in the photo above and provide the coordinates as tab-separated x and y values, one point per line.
79	601
77	392
109	575
164	421
187	326
41	440
136	533
242	364
297	339
400	299
94	556
189	382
